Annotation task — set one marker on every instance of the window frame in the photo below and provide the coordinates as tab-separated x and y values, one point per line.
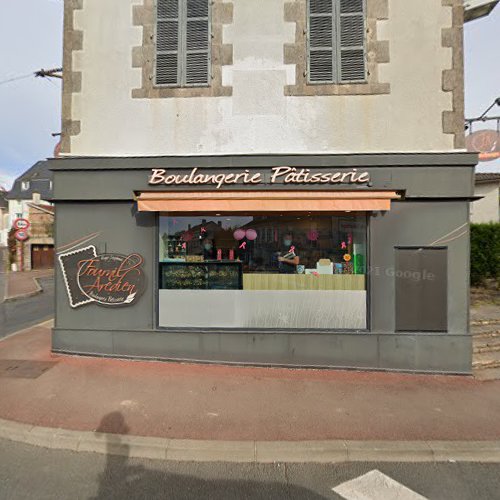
336	47
181	50
266	330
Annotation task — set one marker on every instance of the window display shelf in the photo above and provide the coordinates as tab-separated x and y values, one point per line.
201	275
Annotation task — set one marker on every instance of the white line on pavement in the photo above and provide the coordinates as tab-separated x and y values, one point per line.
375	486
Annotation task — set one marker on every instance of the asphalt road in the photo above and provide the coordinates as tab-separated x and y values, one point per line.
23	313
30	472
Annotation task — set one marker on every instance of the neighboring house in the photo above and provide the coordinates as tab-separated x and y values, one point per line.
4	217
34	185
486	209
39	248
30	198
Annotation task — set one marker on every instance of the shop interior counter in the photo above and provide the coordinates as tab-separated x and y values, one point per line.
256	281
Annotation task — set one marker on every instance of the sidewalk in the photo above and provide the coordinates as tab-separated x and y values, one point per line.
24	284
182	401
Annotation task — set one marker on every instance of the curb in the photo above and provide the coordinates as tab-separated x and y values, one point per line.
13	298
251	451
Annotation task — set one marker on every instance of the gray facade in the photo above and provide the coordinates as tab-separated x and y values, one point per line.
97	196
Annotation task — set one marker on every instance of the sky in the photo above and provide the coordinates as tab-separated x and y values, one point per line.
30	108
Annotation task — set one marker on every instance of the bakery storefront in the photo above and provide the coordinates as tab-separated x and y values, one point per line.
347	261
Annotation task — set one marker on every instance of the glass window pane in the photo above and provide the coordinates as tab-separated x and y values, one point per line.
265	271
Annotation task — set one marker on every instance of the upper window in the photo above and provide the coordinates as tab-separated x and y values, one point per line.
336	41
183	43
25	185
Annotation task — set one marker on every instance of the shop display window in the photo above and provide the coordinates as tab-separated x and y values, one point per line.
274	265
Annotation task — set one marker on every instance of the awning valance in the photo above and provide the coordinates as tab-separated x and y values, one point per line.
265	201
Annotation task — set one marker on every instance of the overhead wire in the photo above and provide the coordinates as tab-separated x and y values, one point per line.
49	73
15	78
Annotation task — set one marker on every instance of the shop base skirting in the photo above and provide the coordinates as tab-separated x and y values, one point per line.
415	352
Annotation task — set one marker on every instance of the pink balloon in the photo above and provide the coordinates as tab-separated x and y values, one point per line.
312	235
251	234
239	234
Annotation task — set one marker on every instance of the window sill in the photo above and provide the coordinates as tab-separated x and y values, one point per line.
322	89
179	92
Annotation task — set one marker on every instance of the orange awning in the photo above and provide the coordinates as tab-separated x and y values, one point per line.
265	201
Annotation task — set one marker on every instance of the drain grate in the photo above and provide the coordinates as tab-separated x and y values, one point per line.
24	368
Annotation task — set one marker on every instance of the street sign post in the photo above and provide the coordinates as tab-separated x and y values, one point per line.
21	235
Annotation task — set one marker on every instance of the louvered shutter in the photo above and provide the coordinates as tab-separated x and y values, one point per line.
182	42
197	43
167	43
352	40
336	41
322	66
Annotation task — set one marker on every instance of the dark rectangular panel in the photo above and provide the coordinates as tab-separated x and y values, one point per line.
421	289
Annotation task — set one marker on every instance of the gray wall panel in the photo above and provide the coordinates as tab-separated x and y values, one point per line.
419	224
120	185
452	353
122	231
83	341
398	351
421	289
425	353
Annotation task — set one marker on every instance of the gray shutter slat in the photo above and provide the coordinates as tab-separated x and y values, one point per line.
352	41
320	6
196	68
167	9
351	6
320	41
166	69
352	65
197	35
167	42
197	42
320	66
197	8
167	36
352	31
320	29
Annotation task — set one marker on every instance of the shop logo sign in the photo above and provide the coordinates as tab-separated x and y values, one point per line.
484	142
108	279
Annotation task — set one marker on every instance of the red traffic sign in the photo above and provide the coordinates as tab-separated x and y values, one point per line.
21	223
21	235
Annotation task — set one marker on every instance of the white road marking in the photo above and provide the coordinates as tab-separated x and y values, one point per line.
375	486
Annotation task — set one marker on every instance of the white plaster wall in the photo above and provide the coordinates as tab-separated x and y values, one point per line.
487	208
4	227
17	207
258	118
